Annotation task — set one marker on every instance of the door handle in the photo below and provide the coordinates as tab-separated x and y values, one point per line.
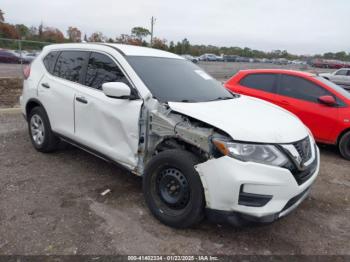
46	85
81	99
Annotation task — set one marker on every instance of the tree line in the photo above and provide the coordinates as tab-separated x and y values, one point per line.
138	36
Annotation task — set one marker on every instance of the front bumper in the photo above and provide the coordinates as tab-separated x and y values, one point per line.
225	178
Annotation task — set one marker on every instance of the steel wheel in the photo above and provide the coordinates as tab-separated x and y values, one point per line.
172	188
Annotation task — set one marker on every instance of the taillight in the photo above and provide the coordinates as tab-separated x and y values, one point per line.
26	71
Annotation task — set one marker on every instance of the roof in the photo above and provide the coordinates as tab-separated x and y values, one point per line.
128	50
278	71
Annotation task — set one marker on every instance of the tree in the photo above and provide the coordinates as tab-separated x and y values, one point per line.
8	31
51	34
22	30
129	40
159	43
186	46
33	32
140	32
172	47
85	38
97	37
74	34
2	18
340	56
40	29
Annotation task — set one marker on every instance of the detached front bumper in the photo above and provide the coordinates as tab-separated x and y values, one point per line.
273	192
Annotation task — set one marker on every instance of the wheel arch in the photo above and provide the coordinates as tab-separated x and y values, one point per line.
32	103
342	134
173	142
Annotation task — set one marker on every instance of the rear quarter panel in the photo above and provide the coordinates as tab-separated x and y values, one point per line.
30	85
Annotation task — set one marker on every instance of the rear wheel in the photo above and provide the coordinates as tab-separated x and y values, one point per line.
344	145
41	135
173	190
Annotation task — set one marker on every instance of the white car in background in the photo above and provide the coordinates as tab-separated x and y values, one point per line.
340	77
199	148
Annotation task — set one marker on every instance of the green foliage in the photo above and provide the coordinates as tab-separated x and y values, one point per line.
140	32
22	30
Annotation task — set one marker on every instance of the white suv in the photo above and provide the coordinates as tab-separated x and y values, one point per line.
199	148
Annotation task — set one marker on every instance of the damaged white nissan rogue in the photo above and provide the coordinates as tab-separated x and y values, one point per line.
200	149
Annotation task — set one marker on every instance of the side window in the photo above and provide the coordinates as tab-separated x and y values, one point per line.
102	69
69	65
263	82
341	73
49	60
300	88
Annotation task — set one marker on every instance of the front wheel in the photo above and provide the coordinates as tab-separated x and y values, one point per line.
344	145
173	190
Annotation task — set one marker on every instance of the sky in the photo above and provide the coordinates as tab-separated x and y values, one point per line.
299	26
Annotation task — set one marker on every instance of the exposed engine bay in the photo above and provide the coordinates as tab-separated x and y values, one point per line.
163	128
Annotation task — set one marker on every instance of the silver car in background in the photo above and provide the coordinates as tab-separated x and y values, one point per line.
340	77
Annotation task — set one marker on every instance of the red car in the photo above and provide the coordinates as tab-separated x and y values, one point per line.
323	106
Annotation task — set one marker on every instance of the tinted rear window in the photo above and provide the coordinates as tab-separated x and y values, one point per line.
69	65
49	60
263	82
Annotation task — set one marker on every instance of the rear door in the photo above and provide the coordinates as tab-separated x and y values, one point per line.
300	96
57	88
108	125
259	85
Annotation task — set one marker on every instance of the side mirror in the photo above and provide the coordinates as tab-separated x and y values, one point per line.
327	100
116	90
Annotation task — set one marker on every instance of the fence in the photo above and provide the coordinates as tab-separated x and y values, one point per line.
22	45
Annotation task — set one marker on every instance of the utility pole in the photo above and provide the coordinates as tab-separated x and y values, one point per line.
153	20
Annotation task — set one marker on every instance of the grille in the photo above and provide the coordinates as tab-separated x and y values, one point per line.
304	149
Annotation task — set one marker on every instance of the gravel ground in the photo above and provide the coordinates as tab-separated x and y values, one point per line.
52	204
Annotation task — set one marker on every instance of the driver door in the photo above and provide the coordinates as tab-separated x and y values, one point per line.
300	96
107	125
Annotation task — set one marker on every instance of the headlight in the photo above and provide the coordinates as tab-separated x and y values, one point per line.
264	154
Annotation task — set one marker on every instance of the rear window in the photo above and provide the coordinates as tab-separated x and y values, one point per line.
49	60
263	82
69	65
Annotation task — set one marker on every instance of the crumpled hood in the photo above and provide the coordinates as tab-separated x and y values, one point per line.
247	119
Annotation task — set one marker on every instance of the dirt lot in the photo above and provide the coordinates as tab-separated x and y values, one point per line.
51	204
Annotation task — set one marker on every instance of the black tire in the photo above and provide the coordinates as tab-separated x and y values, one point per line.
49	141
187	211
344	145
